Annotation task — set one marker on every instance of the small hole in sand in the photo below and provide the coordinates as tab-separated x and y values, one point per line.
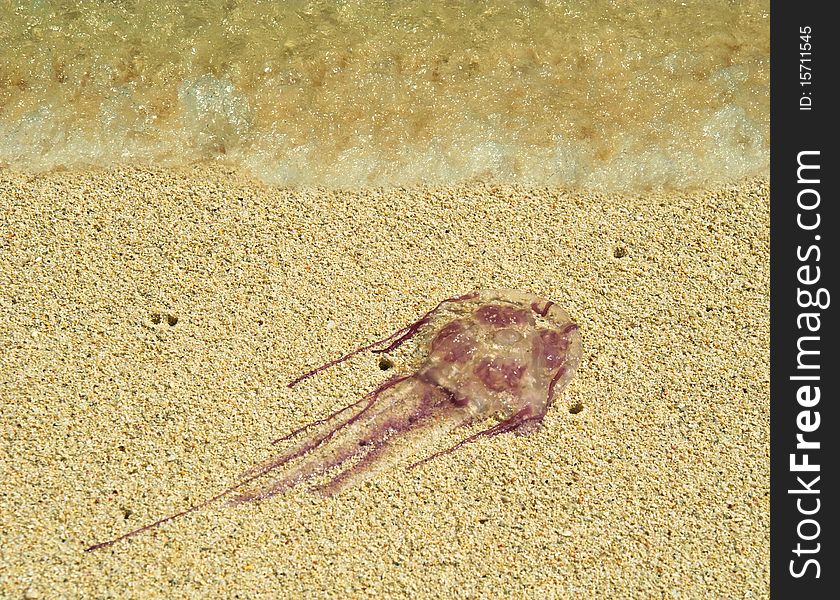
620	252
576	408
156	318
171	319
385	363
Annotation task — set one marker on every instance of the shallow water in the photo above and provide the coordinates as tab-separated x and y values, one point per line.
607	95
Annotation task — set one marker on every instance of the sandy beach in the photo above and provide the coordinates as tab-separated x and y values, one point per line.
150	319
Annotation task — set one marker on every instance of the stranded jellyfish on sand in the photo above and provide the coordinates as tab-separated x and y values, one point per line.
489	353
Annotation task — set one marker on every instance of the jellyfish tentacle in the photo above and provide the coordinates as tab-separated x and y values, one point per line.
552	384
182	513
535	306
304	472
254	474
339	360
308	471
315	468
332	486
378	446
312	444
317	422
301	474
414	328
404	411
402	335
513	422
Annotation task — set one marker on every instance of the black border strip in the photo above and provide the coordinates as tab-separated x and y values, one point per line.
803	234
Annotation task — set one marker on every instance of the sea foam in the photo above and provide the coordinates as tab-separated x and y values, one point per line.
603	95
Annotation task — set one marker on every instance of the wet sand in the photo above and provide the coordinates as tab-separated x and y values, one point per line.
149	319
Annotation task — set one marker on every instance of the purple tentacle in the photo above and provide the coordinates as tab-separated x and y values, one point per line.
403	334
370	447
329	417
182	513
255	474
371	397
376	449
551	384
541	311
515	420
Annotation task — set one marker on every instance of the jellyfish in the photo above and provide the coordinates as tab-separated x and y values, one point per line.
500	355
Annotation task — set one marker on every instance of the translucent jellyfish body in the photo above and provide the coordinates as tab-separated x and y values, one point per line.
489	354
